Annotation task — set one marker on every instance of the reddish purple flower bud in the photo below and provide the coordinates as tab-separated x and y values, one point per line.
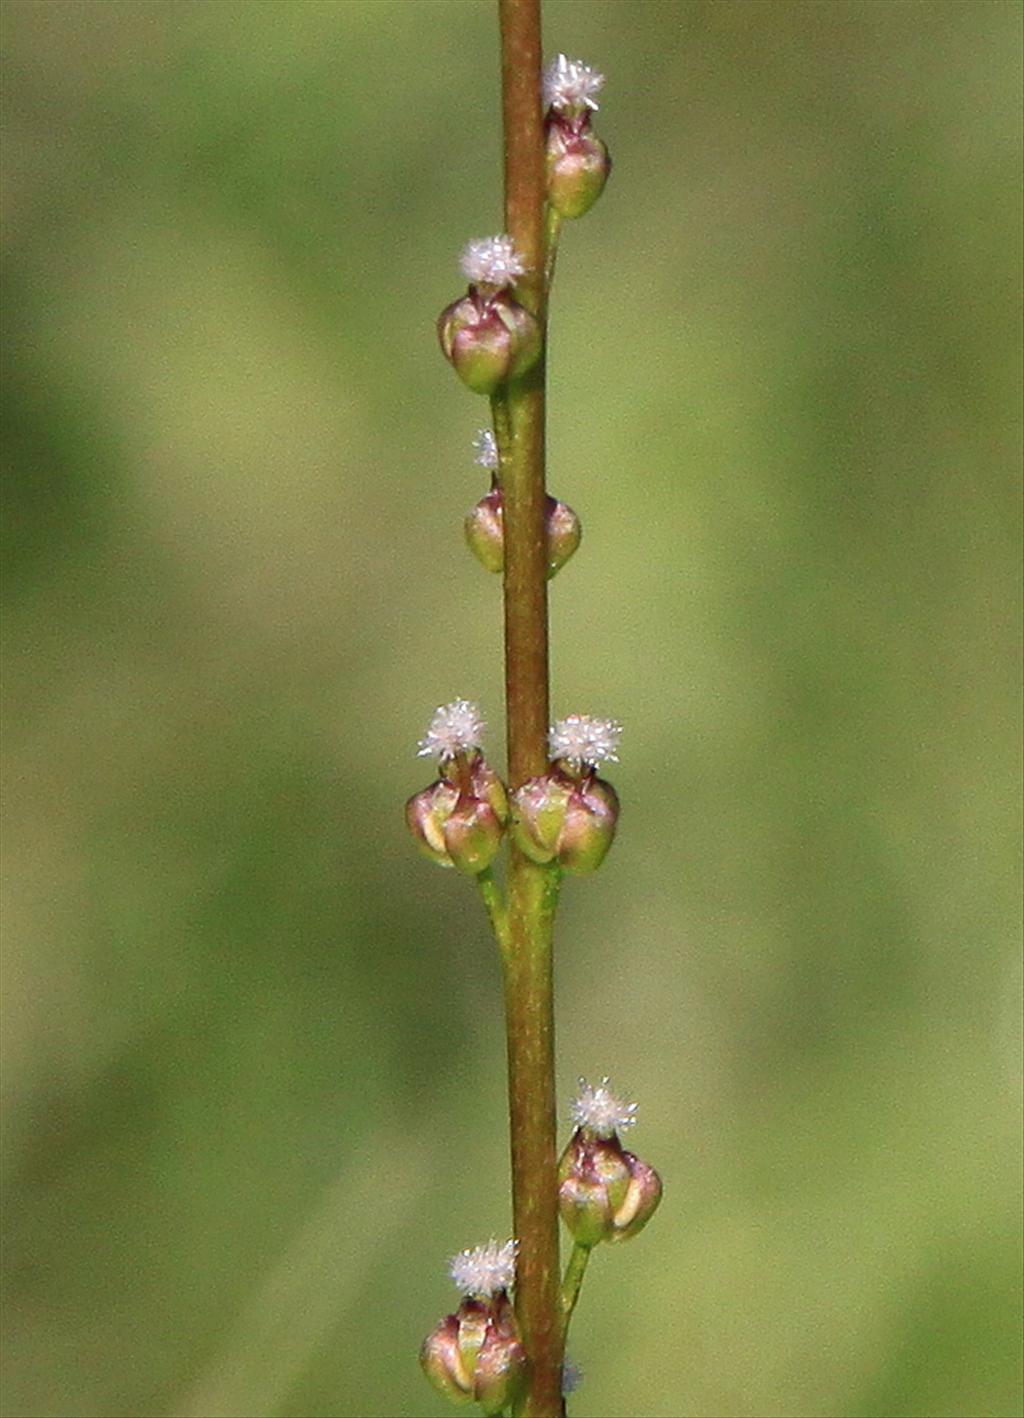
578	165
489	338
485	532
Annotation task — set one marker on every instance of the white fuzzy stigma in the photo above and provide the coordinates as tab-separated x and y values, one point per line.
570	85
492	261
455	728
484	1270
582	739
598	1110
486	446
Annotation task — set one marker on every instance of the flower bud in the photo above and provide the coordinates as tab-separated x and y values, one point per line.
564	534
485	532
578	166
604	1192
459	821
489	338
569	819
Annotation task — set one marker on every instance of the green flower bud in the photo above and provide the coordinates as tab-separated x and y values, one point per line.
571	820
578	166
459	821
485	532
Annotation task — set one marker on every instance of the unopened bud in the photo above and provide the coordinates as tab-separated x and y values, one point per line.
485	532
589	829
571	820
489	338
459	821
538	815
564	533
578	166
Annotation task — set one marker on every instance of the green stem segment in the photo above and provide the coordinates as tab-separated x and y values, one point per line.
532	889
574	1273
497	911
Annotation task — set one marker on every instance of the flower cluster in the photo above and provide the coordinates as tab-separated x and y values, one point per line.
485	523
488	336
565	818
604	1192
569	814
460	819
578	161
476	1353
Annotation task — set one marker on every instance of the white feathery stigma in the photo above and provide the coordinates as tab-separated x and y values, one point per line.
582	739
455	728
484	1270
486	446
492	261
598	1109
570	85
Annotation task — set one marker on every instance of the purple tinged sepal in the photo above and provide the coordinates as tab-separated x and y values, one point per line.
489	338
604	1192
441	1361
476	1354
501	1361
485	532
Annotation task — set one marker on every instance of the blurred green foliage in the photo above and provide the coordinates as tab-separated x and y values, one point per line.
254	1072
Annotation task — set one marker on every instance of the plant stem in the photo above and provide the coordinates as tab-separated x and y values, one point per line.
532	889
494	903
574	1273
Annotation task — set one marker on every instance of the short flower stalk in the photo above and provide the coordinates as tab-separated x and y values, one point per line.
552	816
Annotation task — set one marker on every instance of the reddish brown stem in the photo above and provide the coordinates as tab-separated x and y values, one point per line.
532	890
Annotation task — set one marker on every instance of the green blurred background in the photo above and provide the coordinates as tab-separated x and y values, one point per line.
254	1065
